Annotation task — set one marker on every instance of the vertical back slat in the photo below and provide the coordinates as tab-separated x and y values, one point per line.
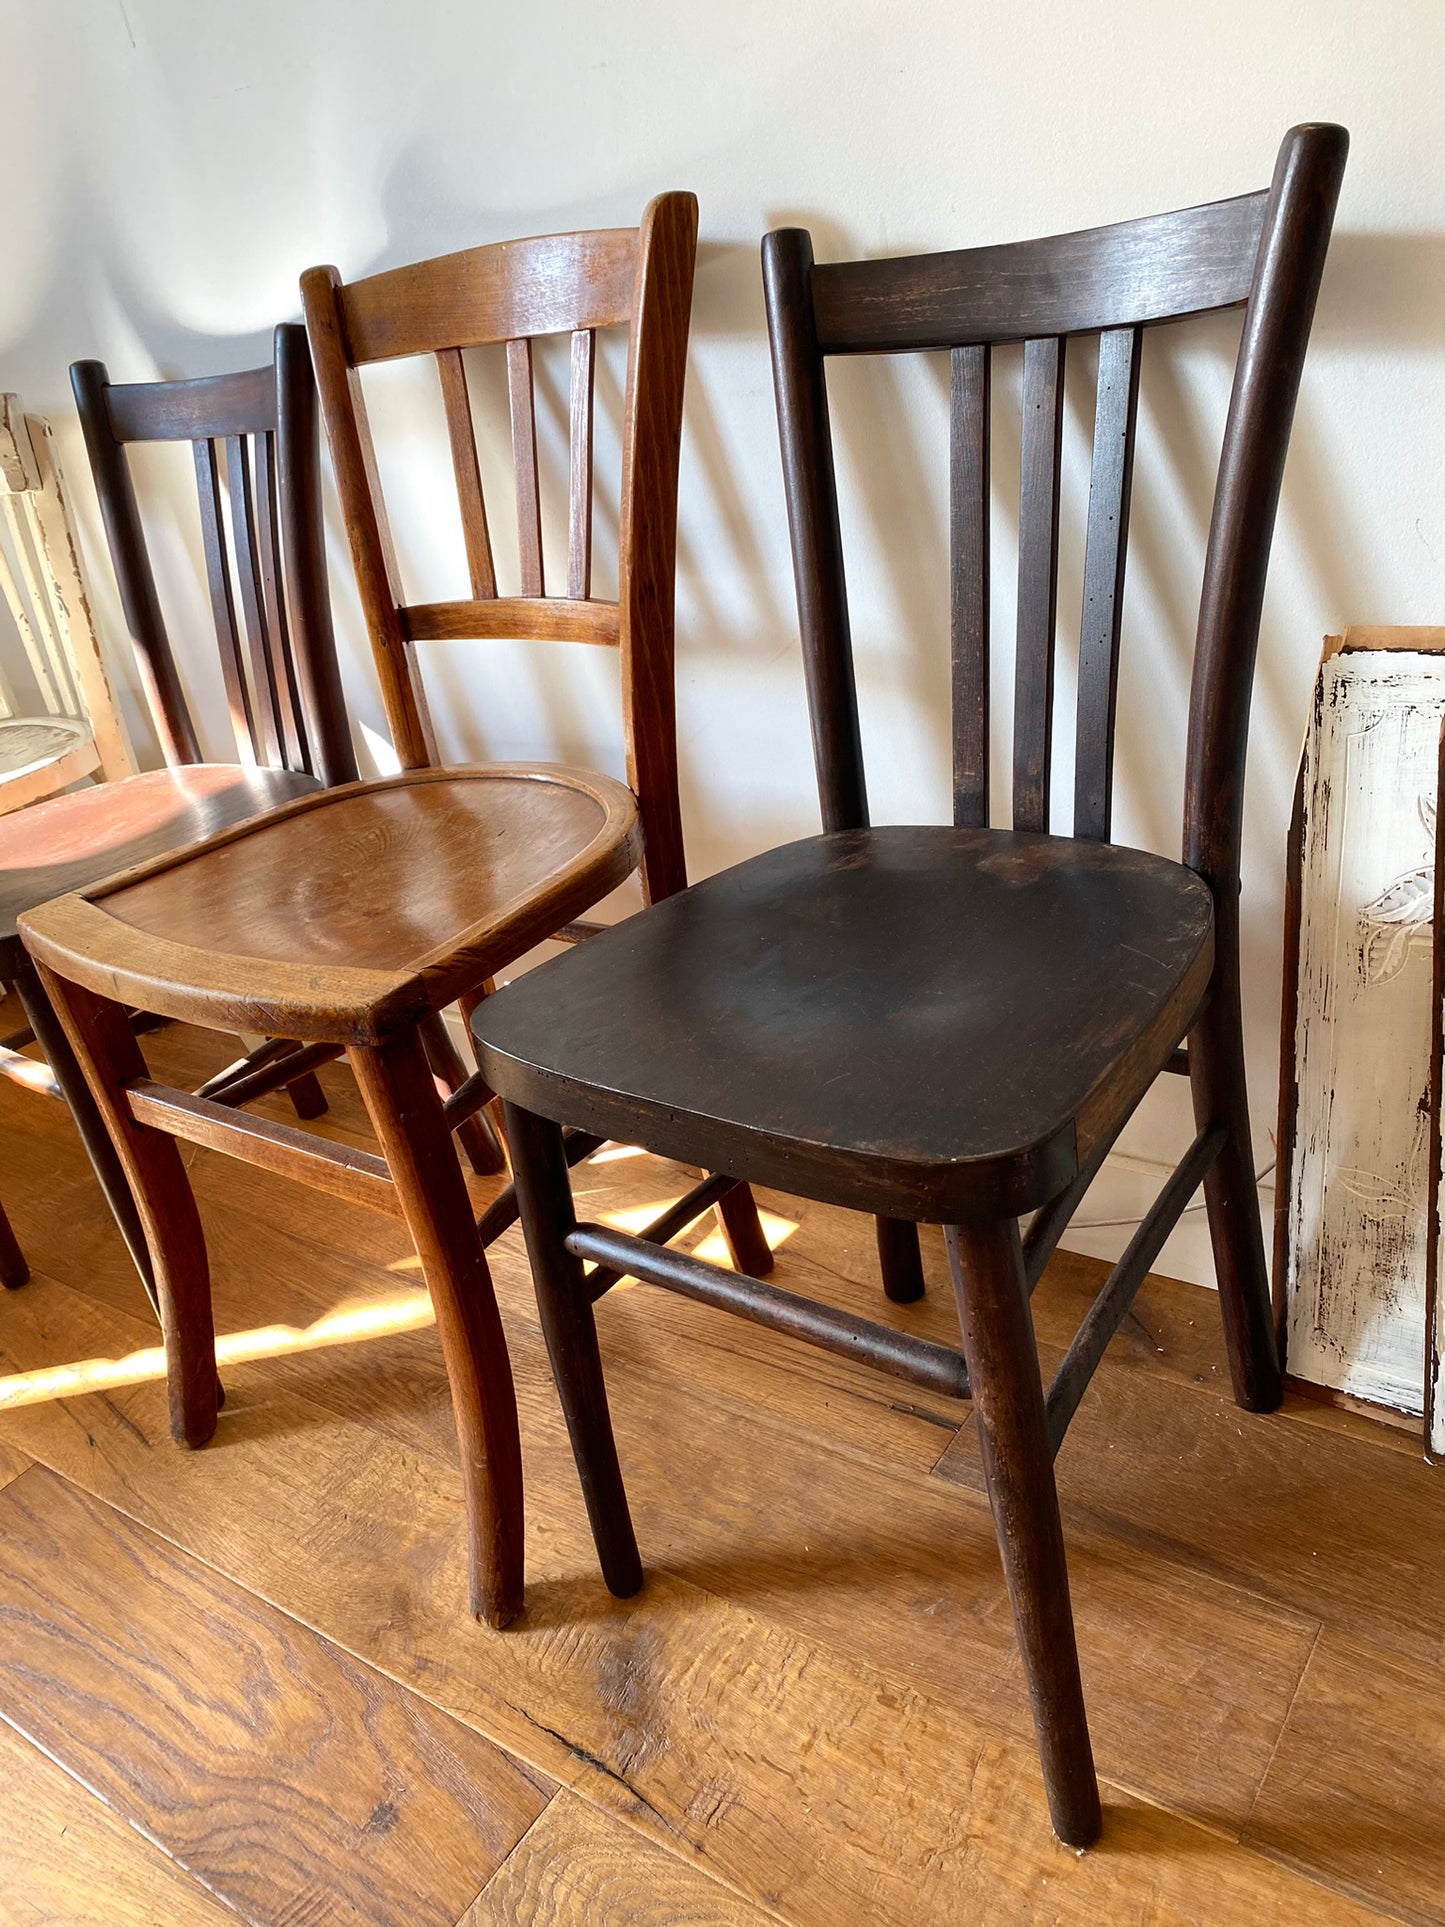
1105	545
1043	417
579	499
278	638
968	478
810	484
524	455
248	571
15	602
53	620
223	605
462	437
39	643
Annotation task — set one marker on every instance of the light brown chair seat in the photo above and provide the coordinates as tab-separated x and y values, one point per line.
340	915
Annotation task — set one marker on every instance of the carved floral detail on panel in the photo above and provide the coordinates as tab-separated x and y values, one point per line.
1399	918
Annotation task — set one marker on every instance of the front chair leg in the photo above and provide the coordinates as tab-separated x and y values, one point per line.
100	1035
1008	1403
406	1113
544	1193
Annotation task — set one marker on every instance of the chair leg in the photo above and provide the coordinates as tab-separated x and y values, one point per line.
475	1136
105	1048
899	1260
743	1233
1003	1367
99	1146
307	1097
1231	1191
544	1193
14	1271
406	1113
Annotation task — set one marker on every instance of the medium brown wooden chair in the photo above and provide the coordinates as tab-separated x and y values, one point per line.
350	919
953	1024
285	697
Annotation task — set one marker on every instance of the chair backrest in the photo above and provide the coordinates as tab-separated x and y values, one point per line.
255	434
1265	251
513	292
41	582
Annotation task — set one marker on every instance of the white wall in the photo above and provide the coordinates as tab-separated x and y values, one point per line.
173	167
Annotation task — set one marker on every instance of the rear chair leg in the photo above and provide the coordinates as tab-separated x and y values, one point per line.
544	1193
100	1035
475	1136
743	1233
899	1260
1008	1402
1231	1191
406	1114
14	1271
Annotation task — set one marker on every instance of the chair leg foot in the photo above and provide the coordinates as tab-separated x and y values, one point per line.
1231	1192
998	1344
99	1035
401	1098
544	1193
743	1234
899	1260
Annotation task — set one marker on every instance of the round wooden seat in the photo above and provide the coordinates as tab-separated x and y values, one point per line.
933	1001
346	913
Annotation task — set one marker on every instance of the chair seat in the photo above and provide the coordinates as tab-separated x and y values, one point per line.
72	842
345	914
947	1018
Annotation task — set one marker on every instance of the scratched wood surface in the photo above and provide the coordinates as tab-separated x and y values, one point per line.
1356	1180
812	1714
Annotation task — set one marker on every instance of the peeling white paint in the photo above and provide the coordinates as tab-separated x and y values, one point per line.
1360	1175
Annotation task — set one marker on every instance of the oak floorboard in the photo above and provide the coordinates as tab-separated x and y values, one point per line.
67	1861
1357	1787
818	1786
289	1779
892	1571
580	1867
1324	1525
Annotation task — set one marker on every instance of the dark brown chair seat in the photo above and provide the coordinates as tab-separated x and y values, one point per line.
72	842
934	1001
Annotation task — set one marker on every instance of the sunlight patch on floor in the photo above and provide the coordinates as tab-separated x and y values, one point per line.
409	1311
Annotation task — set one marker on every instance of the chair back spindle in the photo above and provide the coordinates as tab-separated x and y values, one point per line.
254	439
1263	252
507	296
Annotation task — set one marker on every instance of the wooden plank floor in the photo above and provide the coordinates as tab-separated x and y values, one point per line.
241	1682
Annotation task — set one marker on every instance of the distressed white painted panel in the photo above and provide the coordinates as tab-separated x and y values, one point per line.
1360	1172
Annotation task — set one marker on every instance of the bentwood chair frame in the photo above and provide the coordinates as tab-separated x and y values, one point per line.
261	426
509	294
1264	251
350	919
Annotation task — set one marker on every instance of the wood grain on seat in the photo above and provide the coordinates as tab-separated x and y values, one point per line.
935	1001
72	842
348	913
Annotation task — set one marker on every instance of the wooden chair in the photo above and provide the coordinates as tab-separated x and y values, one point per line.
952	1024
291	731
80	732
351	919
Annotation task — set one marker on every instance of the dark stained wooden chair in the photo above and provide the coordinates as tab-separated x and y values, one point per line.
260	429
350	919
953	1024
